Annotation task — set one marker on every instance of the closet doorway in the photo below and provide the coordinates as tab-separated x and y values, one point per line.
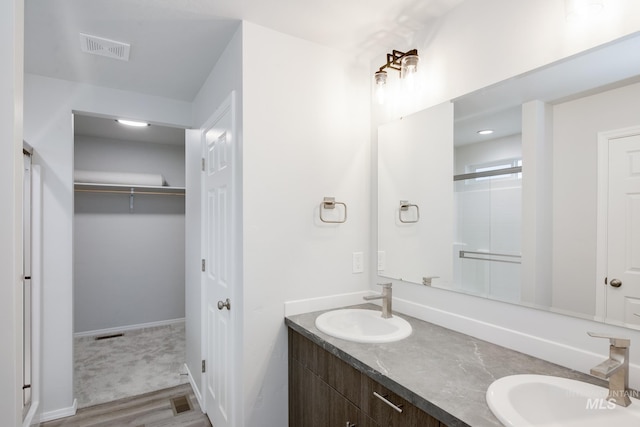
129	259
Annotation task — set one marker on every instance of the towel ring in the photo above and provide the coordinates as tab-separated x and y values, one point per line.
330	203
404	207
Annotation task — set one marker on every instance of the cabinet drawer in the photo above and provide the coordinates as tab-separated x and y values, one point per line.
387	409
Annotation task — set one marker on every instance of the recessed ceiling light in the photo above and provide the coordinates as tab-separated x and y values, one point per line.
485	131
132	123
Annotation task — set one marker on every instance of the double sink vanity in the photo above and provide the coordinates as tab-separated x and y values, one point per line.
402	371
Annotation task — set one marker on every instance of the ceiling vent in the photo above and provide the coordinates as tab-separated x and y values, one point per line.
104	47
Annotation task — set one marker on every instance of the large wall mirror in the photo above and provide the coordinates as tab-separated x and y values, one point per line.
543	211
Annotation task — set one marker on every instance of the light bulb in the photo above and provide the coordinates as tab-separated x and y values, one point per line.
409	65
380	79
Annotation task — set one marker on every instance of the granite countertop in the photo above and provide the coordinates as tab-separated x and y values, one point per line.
442	372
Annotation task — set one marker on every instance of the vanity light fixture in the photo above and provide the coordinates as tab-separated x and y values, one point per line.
485	132
406	63
132	123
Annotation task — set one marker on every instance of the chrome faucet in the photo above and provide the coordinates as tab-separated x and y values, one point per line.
615	369
385	296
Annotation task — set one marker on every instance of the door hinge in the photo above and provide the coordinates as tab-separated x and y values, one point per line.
203	164
204	265
204	367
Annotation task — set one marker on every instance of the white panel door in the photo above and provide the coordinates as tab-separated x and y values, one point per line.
219	139
623	240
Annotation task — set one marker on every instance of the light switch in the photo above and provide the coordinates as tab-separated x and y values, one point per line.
358	262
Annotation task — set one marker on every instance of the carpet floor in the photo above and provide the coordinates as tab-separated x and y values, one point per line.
139	362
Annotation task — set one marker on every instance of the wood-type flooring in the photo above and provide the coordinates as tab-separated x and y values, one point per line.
148	410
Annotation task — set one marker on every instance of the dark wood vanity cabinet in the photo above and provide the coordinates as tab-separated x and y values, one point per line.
325	391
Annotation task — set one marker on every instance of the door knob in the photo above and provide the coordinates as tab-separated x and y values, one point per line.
616	283
224	304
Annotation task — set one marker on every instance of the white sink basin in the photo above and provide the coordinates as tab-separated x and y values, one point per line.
539	400
366	326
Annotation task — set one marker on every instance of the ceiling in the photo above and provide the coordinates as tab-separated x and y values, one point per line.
176	43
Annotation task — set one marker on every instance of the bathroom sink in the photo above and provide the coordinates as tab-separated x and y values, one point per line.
361	325
539	400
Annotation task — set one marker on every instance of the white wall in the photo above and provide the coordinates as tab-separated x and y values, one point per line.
11	80
49	129
306	122
575	146
477	44
303	136
128	265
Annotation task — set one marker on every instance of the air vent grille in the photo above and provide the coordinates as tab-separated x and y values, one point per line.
180	404
106	337
104	47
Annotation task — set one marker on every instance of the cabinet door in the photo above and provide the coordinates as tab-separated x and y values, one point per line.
342	413
338	374
382	412
366	421
312	403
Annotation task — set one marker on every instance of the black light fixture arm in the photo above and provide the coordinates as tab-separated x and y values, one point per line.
394	59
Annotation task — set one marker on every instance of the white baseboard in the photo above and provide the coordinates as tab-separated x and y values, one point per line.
291	308
119	329
59	413
195	388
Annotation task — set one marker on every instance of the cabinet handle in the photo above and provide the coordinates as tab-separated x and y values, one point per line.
396	408
350	425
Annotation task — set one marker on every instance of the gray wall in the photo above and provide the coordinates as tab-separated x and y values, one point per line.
128	266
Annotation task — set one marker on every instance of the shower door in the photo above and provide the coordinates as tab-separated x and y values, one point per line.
27	291
487	247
